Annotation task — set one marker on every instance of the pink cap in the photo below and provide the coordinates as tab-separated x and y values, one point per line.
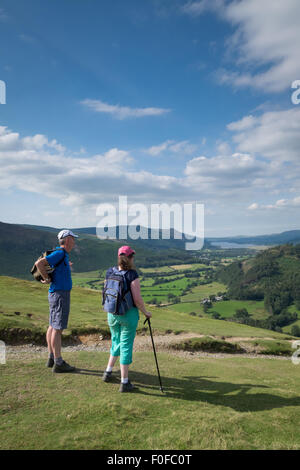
125	250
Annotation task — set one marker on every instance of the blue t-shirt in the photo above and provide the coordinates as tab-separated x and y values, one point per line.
61	276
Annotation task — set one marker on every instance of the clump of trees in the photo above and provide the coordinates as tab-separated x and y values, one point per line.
216	315
295	331
265	277
273	322
241	313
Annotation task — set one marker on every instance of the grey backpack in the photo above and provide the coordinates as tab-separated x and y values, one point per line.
116	295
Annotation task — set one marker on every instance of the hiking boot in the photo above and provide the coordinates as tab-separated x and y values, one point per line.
64	367
126	387
106	376
50	362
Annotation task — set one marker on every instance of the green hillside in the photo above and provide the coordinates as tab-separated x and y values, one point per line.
24	306
272	276
20	246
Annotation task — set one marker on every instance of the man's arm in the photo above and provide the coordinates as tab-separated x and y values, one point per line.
41	265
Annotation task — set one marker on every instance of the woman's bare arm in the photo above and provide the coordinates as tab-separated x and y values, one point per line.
137	298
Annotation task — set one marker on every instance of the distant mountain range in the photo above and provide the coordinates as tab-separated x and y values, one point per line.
290	236
21	245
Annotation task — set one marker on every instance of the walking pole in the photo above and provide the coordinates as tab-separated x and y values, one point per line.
148	320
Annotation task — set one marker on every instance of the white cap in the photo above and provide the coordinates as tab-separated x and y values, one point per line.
66	233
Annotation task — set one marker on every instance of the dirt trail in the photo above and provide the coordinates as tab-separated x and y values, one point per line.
143	342
94	342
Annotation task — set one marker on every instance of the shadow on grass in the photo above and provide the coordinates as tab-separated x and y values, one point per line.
243	397
81	371
116	378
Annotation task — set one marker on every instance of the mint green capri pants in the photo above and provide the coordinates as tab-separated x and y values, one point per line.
123	330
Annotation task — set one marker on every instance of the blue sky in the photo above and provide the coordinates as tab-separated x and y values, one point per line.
163	101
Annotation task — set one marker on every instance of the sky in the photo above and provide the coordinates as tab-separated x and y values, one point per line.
162	101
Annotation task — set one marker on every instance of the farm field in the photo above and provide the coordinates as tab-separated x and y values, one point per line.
91	279
224	308
228	308
22	298
192	267
202	291
171	286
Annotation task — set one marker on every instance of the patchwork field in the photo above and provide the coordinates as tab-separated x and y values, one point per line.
24	306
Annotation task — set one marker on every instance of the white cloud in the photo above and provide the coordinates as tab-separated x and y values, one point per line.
158	149
223	148
199	7
225	175
27	38
264	45
183	147
268	35
280	204
38	165
3	15
79	183
122	112
274	135
253	206
12	141
245	123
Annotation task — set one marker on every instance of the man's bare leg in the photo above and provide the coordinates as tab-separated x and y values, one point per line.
48	338
59	364
56	343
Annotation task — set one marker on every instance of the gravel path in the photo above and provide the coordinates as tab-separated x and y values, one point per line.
163	343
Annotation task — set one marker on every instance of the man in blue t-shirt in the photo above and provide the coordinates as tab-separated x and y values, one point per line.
58	296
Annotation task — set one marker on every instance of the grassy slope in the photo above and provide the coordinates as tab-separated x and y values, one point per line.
31	297
289	265
228	403
20	246
224	308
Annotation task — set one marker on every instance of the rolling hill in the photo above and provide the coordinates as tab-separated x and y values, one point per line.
273	276
21	245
